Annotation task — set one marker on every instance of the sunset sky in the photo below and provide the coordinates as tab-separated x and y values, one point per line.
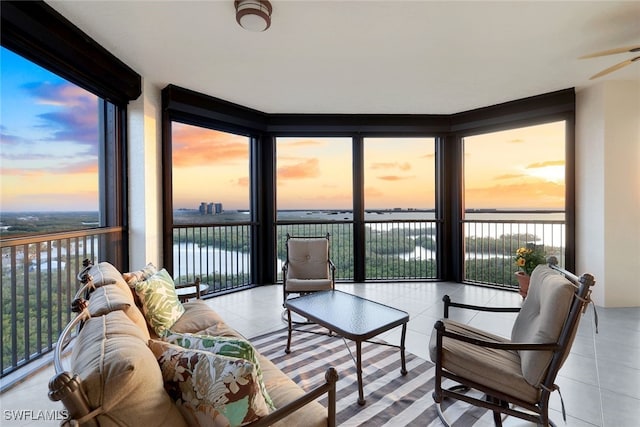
49	158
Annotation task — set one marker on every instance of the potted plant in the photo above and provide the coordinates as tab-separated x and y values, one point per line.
527	259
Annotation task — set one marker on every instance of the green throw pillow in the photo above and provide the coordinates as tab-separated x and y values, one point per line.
225	346
160	304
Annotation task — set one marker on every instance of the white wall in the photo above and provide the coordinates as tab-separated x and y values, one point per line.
608	190
145	164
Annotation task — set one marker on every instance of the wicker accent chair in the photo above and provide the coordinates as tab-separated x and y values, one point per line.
517	375
308	267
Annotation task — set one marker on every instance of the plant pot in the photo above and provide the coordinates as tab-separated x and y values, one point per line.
523	280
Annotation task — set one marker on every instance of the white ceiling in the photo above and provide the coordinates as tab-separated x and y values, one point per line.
393	56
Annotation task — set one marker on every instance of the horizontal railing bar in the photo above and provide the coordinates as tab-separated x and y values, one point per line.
42	238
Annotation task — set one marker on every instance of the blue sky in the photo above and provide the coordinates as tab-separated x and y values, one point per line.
48	140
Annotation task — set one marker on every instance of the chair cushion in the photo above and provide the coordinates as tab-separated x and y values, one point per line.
541	319
120	374
308	259
160	304
307	285
499	369
210	389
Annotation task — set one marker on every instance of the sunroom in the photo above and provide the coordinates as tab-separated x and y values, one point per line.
156	204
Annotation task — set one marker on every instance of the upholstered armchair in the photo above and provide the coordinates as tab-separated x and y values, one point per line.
517	375
308	267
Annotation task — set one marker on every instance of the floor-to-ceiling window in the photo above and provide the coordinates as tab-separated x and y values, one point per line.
314	195
514	196
62	196
211	206
399	200
394	192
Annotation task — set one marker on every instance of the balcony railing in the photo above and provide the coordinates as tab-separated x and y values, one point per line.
340	243
400	250
38	282
218	254
491	245
39	273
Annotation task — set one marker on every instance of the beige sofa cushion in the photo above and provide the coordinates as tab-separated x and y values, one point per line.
199	318
283	390
120	374
108	298
104	273
541	318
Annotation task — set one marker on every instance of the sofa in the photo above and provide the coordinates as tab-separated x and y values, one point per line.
122	362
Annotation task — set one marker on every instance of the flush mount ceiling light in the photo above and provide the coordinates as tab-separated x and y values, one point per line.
253	15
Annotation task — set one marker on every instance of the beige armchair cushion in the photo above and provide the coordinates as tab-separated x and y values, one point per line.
309	285
308	259
541	318
499	369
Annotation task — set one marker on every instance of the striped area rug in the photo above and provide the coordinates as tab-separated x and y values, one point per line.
392	399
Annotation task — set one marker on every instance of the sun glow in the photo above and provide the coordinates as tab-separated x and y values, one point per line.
548	173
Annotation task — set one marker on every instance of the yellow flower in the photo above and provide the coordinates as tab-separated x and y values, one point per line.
528	257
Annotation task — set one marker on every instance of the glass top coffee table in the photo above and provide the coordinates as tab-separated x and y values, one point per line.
351	317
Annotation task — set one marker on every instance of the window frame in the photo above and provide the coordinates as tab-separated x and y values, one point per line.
38	33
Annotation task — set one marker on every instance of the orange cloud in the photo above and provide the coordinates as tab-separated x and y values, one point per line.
546	164
530	193
307	169
517	141
194	146
509	176
72	169
394	177
243	182
387	165
373	192
301	143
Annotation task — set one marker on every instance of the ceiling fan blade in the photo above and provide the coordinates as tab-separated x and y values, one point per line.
614	67
612	51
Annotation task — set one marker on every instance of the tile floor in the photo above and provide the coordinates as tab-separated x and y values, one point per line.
600	381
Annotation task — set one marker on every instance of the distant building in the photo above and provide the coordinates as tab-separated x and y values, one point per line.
210	208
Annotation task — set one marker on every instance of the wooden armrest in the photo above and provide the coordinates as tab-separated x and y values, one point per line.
448	303
329	387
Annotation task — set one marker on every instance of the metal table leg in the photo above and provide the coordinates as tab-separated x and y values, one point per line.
361	400
403	370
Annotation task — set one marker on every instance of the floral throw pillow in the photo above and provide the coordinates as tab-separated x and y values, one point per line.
210	389
133	277
225	346
160	304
